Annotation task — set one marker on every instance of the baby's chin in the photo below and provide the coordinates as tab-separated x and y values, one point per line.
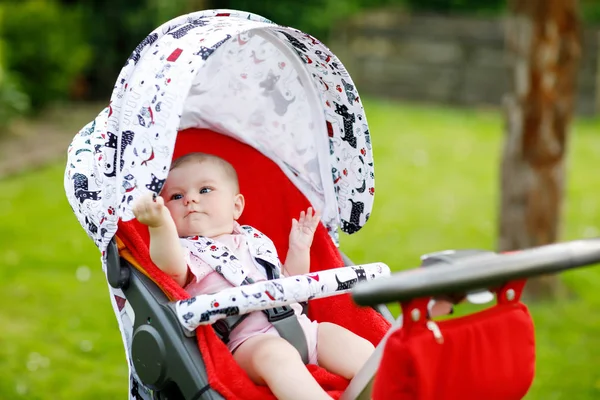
211	231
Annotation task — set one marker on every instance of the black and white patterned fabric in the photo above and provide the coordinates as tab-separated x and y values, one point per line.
272	87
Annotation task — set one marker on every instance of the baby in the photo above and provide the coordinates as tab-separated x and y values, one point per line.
201	199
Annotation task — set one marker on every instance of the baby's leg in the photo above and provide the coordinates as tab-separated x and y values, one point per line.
273	361
340	351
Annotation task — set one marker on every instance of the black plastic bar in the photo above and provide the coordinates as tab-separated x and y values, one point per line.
478	272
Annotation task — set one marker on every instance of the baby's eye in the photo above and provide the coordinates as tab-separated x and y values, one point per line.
205	190
176	196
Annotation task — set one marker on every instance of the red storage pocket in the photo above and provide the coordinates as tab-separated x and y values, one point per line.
488	355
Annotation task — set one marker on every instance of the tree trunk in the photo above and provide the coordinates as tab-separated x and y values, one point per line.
543	41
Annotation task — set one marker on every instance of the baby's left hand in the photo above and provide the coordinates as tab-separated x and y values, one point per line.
303	229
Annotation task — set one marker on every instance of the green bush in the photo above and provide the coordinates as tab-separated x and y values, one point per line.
12	100
48	49
457	6
318	16
115	28
590	11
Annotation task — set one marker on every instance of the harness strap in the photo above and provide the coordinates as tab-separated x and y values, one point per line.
225	326
283	319
287	325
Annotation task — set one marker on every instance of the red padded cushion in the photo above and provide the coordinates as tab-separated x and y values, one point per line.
271	203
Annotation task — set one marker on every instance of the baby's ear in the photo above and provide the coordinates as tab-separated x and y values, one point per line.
238	206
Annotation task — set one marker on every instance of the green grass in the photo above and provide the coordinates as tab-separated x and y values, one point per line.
436	186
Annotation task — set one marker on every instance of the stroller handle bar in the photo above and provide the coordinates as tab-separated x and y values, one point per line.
477	273
206	309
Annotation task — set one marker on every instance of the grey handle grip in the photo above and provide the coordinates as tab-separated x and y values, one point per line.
478	273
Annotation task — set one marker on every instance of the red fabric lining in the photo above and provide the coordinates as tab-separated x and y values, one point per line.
271	203
489	355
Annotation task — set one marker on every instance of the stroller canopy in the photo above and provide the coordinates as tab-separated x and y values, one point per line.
274	88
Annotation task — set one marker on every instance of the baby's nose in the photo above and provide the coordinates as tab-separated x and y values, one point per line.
192	198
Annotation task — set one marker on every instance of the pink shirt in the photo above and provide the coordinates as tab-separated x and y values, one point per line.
208	280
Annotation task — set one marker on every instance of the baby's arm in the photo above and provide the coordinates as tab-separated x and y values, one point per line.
165	249
303	230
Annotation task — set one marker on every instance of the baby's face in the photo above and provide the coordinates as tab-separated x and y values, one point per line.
202	200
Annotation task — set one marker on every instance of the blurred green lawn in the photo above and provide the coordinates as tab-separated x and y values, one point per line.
436	185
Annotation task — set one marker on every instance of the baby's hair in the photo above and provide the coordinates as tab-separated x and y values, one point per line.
198	157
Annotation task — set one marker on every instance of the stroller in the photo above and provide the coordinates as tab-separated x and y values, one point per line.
281	108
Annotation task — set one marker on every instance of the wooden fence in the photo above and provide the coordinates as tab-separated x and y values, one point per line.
451	60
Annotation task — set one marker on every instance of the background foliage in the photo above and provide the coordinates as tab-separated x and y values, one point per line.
436	179
48	50
60	336
69	49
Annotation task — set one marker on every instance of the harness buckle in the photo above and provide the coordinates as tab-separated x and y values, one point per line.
277	314
224	327
287	325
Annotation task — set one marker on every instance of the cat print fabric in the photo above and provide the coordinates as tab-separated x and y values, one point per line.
165	86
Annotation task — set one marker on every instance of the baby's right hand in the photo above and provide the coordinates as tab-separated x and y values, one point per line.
150	210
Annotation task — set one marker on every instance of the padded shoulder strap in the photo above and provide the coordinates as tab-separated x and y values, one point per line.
219	257
261	247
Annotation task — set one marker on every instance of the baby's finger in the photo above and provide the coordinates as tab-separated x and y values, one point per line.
145	207
135	208
309	212
159	200
315	222
302	217
141	201
147	197
136	203
317	217
317	214
154	207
